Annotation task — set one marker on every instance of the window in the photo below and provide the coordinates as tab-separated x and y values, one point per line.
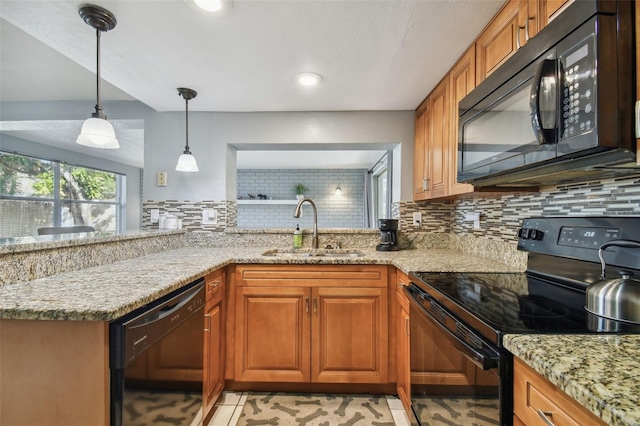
381	189
36	192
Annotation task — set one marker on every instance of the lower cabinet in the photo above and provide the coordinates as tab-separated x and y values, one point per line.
537	401
311	323
214	333
403	325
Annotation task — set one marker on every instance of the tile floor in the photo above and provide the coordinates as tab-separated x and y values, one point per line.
230	407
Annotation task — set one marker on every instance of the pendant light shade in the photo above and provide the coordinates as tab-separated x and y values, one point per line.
187	162
97	132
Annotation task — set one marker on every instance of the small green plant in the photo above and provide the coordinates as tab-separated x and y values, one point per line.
300	188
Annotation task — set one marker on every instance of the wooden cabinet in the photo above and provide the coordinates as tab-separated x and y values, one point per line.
306	323
549	9
534	397
431	145
419	154
403	325
498	41
214	340
462	80
511	28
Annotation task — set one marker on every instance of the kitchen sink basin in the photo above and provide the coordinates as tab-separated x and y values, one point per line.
328	253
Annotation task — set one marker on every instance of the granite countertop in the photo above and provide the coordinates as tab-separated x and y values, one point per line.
106	292
599	371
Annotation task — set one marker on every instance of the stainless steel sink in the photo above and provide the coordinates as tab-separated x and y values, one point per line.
329	253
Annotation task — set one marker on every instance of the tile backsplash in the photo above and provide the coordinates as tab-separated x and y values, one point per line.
334	211
500	216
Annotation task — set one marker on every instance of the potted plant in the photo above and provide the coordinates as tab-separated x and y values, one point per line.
299	188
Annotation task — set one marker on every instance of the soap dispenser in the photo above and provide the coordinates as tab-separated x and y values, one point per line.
297	238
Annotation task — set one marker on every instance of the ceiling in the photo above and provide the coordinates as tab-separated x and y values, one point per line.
372	54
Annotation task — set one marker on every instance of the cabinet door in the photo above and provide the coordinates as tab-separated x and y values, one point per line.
214	329
403	332
550	9
272	334
419	155
349	335
462	80
438	141
498	41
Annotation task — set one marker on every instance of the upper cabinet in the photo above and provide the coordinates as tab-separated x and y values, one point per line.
436	132
498	41
431	166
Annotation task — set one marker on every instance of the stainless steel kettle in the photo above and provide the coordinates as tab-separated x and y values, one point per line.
618	298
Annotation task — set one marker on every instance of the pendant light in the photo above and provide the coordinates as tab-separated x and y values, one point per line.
187	162
97	132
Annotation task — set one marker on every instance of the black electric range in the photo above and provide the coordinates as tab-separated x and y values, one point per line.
550	295
457	319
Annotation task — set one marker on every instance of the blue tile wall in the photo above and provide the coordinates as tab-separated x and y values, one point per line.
344	211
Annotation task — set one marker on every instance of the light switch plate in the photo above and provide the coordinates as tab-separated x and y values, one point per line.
162	179
209	217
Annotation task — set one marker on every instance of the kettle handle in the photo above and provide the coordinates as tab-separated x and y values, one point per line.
616	243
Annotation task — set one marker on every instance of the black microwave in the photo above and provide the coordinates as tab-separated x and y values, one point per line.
560	109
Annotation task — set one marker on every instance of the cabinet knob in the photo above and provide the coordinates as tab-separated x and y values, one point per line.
315	304
306	304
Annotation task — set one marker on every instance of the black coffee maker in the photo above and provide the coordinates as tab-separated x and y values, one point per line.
388	234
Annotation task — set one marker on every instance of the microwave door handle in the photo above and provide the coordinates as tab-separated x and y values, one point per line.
544	122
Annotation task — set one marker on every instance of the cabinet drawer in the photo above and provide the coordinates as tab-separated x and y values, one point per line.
534	396
214	283
312	275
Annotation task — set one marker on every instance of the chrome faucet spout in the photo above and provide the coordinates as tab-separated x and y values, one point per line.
296	214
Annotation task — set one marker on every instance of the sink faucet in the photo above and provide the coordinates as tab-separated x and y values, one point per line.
296	214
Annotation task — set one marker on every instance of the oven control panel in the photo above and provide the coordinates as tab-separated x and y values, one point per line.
581	237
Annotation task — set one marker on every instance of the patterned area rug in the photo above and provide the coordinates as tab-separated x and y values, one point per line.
146	408
315	410
452	411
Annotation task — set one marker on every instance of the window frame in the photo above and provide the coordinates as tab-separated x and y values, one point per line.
58	203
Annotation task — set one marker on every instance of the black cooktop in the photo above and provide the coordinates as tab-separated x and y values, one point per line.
500	303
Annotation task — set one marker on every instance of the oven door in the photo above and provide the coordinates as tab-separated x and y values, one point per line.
454	380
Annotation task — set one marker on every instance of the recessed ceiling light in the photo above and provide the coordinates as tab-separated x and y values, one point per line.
209	5
308	78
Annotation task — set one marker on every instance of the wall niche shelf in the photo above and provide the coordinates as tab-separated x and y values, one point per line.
293	202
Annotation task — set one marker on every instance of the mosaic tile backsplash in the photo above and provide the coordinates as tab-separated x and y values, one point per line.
500	216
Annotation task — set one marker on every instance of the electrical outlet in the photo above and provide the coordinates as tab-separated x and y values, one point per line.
473	217
162	179
417	219
155	215
209	217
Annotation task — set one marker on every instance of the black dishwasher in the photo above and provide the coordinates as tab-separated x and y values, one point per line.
155	360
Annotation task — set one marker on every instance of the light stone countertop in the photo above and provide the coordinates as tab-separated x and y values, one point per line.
107	292
599	371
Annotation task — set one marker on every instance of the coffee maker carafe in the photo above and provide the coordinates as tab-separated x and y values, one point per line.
388	235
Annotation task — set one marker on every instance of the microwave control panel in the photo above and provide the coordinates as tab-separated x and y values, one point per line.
577	69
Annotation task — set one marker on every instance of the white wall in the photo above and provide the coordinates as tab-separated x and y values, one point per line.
213	137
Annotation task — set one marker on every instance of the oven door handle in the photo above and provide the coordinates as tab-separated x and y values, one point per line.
480	359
